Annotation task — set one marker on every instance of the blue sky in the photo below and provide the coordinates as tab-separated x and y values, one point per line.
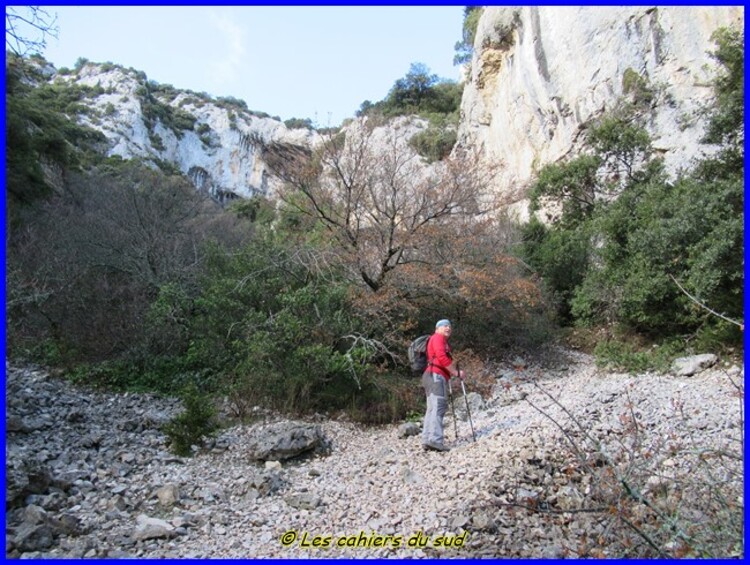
317	62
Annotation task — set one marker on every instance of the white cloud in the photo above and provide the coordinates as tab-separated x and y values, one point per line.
226	68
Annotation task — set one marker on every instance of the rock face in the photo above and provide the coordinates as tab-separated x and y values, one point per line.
216	143
212	141
539	74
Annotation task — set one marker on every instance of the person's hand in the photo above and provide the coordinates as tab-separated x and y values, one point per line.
461	374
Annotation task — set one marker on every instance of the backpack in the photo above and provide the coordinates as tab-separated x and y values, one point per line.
418	354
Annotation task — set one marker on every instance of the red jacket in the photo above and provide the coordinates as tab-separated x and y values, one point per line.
439	355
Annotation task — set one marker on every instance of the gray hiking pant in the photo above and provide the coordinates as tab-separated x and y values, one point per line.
436	389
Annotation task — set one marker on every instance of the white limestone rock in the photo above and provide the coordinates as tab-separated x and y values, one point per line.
688	366
217	154
539	74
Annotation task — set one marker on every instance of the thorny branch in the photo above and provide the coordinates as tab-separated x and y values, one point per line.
628	489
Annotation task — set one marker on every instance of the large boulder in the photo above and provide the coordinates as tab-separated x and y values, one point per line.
475	402
688	366
285	440
408	429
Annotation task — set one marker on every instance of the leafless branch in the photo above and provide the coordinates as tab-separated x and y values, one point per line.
374	195
618	480
27	29
702	305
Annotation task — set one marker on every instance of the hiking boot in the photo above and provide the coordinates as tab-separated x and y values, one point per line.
431	446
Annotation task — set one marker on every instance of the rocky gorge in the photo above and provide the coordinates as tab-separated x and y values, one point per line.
557	457
538	78
89	474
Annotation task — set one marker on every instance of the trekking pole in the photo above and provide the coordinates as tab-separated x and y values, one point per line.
466	398
453	410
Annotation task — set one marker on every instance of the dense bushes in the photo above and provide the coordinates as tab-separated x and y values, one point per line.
418	92
618	261
262	316
436	142
154	110
196	422
298	123
134	281
90	260
421	93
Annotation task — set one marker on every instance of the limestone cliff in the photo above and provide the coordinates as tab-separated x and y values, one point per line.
538	77
540	74
211	141
217	143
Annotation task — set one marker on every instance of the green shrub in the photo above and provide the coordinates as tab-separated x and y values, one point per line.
255	209
574	185
182	120
725	126
389	398
717	335
40	126
80	63
194	424
625	355
418	93
465	48
169	168
48	351
231	102
298	123
434	143
637	87
156	141
167	320
109	375
562	259
153	109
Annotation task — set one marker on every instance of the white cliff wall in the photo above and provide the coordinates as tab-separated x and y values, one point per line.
217	147
218	154
539	74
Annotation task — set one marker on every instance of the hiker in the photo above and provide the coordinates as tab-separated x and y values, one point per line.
440	369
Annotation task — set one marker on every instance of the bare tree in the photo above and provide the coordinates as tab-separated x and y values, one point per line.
375	195
96	256
27	29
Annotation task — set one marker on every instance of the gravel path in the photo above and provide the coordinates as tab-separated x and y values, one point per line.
375	494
